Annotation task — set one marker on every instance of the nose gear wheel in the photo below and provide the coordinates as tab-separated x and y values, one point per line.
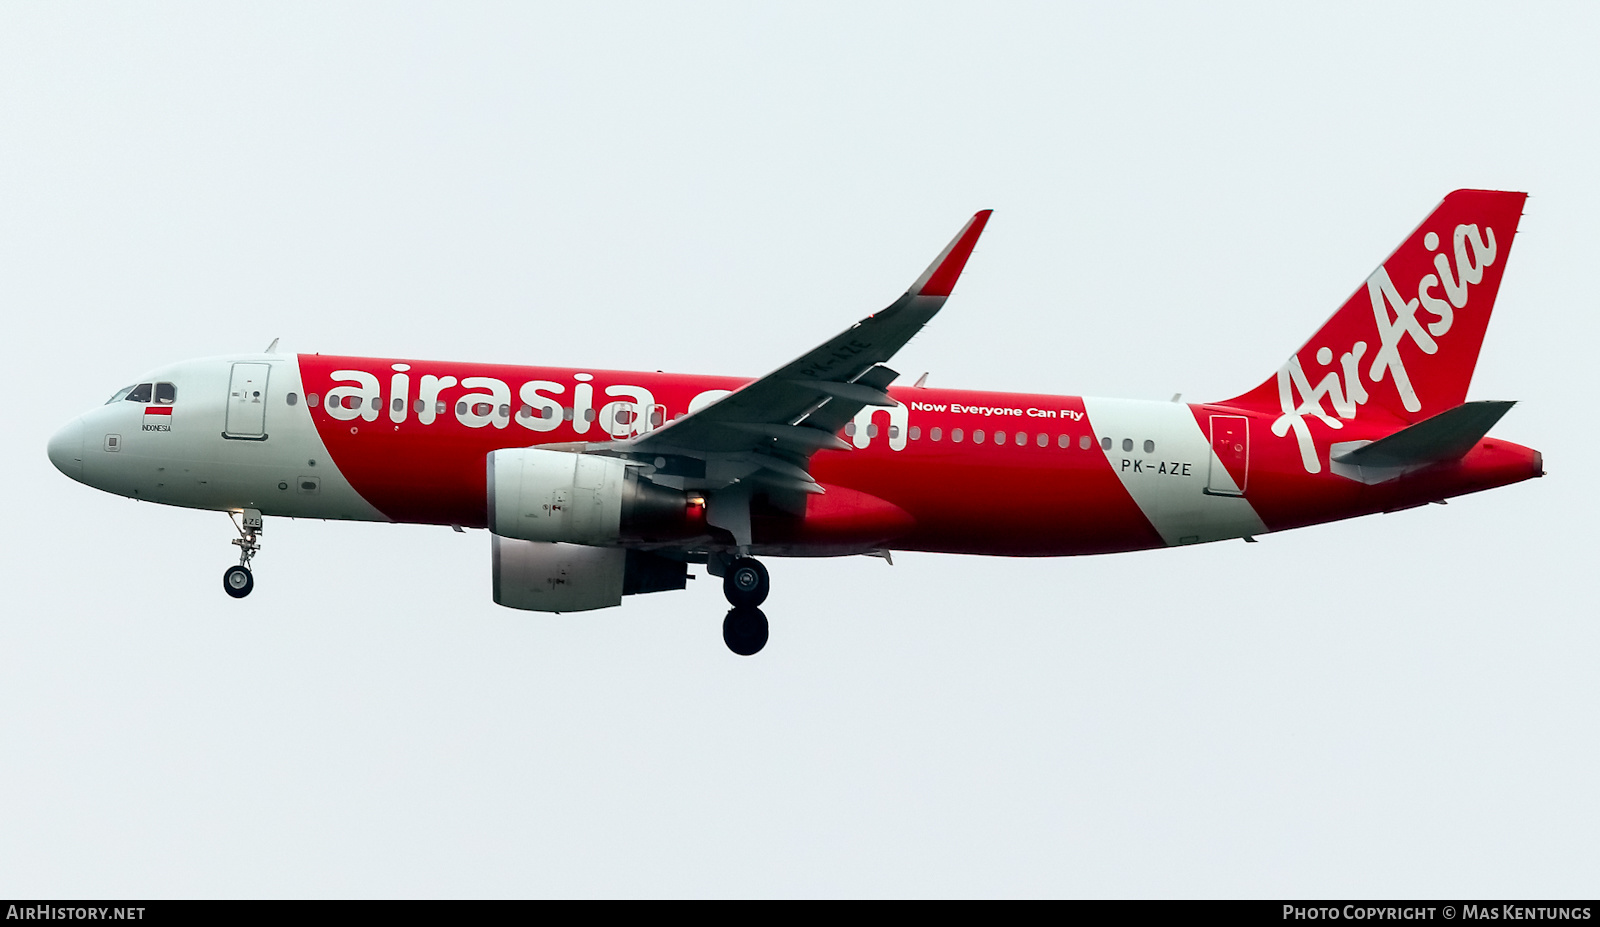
237	581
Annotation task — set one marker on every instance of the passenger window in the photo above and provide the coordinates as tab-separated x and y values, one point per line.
1022	439
936	433
872	430
1083	442
894	432
1064	441
120	395
1127	445
1149	447
977	436
141	393
505	411
850	429
461	408
439	407
291	398
566	413
1044	439
419	406
588	415
166	394
1105	443
376	403
955	435
916	432
313	400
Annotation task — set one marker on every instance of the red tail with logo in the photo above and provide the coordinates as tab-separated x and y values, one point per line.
1407	340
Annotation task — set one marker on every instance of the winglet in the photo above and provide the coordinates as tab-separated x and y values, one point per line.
940	277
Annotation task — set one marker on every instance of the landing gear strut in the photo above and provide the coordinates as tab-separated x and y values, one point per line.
237	581
746	584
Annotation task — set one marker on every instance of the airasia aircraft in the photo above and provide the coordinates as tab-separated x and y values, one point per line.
598	484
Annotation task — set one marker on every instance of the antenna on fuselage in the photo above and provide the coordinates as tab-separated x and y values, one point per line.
271	347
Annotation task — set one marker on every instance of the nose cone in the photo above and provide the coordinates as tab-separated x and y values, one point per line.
66	450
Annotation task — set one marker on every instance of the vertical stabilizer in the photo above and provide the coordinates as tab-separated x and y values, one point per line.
1407	340
1404	345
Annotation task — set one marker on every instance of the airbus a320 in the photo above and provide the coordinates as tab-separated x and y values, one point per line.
601	484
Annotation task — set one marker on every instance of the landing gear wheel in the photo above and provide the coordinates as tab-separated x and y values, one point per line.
746	584
745	630
238	581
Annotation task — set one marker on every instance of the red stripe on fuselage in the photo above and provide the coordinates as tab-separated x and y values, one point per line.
967	497
1009	499
963	497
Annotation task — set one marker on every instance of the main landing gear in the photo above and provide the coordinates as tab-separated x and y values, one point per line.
237	581
746	584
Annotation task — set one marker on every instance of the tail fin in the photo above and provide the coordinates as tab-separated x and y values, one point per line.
1407	340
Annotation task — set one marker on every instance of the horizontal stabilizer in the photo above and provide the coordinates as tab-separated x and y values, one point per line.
1446	436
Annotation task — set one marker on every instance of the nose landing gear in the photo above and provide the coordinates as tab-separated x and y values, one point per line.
746	585
237	581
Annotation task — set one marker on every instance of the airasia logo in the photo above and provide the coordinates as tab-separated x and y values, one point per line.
539	405
1396	322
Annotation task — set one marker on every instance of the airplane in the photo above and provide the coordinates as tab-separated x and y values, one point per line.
601	484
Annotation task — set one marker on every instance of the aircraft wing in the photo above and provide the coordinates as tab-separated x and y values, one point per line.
796	410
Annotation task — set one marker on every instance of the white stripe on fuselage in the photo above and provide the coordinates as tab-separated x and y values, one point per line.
1168	482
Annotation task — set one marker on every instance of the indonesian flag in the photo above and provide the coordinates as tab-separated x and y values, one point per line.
157	418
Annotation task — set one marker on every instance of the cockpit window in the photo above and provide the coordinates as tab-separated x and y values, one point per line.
141	393
166	394
120	395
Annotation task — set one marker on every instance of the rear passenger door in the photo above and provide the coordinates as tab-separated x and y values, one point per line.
1230	455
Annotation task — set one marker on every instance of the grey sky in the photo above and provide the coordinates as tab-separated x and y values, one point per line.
1398	705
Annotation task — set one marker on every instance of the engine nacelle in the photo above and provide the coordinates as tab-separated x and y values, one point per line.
539	495
544	577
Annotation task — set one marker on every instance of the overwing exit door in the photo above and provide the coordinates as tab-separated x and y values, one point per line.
247	402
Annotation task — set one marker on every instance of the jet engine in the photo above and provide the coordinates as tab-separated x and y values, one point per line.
559	520
555	496
543	577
